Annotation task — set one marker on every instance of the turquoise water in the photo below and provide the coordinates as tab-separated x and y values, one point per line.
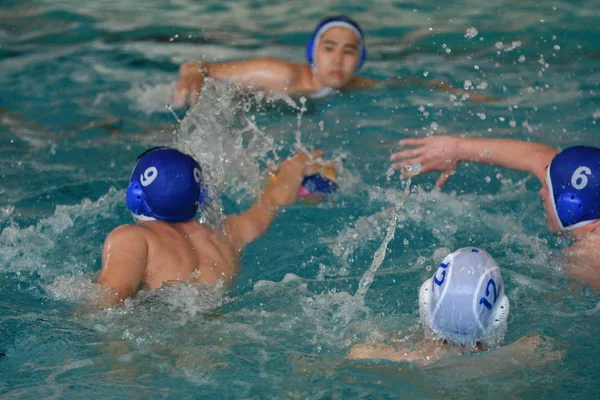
84	89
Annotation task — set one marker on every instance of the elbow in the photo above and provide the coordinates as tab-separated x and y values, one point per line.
541	160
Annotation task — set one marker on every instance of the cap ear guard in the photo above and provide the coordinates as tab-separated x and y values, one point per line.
134	197
569	208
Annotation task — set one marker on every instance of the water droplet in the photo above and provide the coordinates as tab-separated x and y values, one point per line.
471	33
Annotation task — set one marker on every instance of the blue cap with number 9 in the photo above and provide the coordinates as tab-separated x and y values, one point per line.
573	178
464	301
165	185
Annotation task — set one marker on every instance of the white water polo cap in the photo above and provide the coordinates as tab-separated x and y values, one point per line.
464	301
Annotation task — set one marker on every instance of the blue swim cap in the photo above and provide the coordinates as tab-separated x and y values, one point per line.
574	183
464	301
332	22
165	185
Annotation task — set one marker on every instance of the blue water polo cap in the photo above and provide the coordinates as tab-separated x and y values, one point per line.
464	301
573	179
165	185
333	22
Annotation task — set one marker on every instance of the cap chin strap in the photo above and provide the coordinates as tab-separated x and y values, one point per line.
142	218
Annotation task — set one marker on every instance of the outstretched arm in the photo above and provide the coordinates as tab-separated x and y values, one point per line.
422	354
444	153
261	74
248	226
474	97
123	263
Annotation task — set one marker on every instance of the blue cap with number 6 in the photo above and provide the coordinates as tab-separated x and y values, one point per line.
165	185
574	186
464	301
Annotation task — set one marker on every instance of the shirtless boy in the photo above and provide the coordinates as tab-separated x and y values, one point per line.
167	243
335	52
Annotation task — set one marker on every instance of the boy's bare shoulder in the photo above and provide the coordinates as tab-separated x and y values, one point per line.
125	232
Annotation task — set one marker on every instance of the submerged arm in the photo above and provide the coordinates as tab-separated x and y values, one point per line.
424	354
445	87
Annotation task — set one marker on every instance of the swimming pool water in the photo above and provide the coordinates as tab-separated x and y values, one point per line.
84	89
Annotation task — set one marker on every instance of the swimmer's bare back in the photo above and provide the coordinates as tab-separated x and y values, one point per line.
157	252
187	251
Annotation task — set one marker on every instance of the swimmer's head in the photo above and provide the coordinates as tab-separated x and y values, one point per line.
464	302
165	185
336	51
573	179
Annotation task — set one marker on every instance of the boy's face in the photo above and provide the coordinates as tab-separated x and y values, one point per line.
337	57
551	217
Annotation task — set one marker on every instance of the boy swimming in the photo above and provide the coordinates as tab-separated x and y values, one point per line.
570	185
335	52
463	309
168	244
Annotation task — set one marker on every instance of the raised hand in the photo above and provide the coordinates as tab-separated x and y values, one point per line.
191	79
435	153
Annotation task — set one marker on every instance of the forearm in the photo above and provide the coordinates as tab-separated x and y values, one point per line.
429	83
258	74
283	190
508	153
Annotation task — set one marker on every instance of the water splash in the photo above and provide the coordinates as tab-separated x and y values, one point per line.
367	279
32	249
222	134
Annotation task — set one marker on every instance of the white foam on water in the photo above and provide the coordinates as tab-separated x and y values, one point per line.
151	98
33	248
220	131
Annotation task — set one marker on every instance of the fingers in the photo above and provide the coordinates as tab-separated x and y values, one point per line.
317	154
409	153
180	98
401	165
414	142
443	179
312	169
